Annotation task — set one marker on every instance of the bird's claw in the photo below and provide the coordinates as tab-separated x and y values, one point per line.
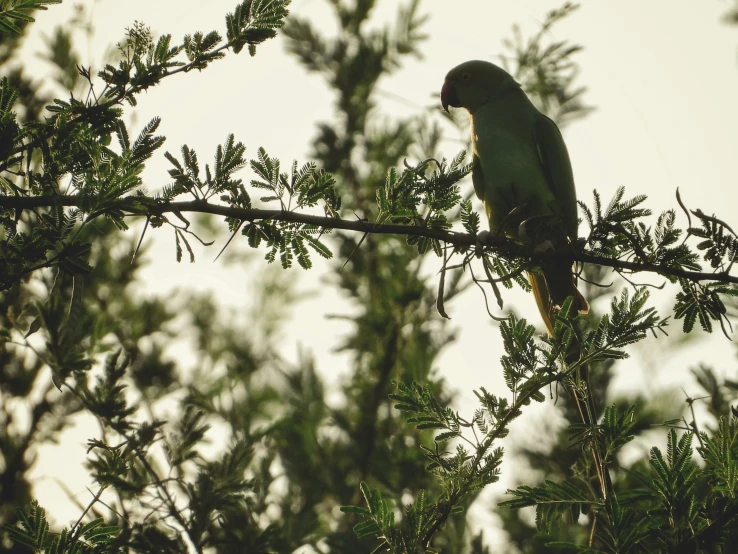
545	246
523	229
482	238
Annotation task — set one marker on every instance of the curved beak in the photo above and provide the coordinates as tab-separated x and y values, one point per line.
449	96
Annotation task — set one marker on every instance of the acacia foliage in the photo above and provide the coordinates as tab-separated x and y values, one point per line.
169	496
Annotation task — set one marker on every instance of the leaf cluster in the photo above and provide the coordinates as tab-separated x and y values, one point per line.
32	531
680	506
206	501
474	462
547	69
620	232
84	146
74	145
422	198
145	62
11	10
379	520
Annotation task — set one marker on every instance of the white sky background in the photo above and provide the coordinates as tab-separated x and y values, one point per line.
662	74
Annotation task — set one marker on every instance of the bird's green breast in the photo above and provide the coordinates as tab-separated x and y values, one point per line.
514	183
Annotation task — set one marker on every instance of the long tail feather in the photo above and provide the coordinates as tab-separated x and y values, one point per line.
543	300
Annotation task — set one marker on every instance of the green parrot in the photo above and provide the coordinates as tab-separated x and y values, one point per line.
521	172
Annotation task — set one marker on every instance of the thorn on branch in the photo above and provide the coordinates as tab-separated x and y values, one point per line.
140	241
235	232
418	170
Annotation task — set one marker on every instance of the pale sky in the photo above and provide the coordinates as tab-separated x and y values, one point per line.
662	74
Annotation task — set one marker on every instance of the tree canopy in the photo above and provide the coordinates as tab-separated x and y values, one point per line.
390	466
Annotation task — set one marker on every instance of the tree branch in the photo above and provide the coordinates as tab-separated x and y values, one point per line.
500	243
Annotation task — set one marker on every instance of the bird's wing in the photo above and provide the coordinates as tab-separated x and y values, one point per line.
478	177
554	158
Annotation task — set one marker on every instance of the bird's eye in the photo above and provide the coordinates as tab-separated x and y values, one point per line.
465	76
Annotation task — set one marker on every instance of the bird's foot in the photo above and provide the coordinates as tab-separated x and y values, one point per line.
545	247
482	238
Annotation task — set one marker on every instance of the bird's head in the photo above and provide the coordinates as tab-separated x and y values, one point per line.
472	84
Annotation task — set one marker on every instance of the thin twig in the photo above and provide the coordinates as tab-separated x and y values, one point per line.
95	498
